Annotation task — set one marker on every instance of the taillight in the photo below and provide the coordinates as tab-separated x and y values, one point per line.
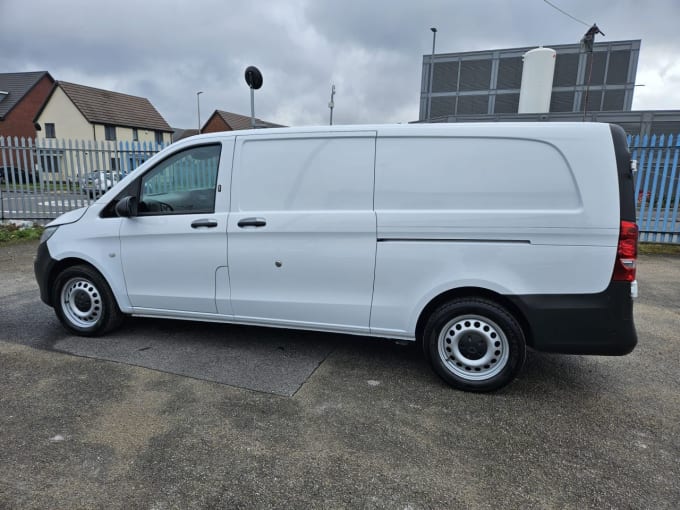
626	253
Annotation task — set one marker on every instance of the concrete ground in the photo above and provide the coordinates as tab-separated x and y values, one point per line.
349	423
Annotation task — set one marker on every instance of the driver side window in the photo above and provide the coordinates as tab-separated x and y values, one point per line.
184	183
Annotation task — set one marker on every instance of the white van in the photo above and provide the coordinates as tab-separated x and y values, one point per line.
475	239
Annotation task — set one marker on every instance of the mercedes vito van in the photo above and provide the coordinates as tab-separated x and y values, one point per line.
476	240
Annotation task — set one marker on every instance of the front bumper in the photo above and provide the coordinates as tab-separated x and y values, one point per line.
43	265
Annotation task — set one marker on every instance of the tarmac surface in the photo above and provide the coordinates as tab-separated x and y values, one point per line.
165	414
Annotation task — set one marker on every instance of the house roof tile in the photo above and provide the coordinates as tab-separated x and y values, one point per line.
100	106
236	121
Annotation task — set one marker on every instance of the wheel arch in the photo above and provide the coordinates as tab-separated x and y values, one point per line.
473	292
68	262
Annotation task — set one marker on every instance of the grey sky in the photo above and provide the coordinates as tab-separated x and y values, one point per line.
371	50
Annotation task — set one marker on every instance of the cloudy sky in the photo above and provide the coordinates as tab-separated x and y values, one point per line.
371	49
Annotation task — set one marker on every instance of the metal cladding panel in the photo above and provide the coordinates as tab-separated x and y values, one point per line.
475	75
664	128
506	103
614	100
442	106
562	101
509	73
594	101
473	104
445	78
566	70
617	71
631	128
596	77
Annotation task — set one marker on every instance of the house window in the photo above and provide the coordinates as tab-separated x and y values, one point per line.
50	131
135	135
50	160
109	132
159	136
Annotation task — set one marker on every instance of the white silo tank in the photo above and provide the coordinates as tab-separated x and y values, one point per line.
537	79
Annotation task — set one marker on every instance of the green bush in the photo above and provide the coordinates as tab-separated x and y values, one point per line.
12	233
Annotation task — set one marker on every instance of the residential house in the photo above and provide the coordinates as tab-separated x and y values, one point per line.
21	96
181	134
227	121
77	112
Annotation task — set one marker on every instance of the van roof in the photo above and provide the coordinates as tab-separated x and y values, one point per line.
523	129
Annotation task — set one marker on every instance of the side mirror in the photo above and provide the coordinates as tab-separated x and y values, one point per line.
127	207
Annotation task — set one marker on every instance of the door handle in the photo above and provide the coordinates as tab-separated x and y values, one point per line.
204	223
252	222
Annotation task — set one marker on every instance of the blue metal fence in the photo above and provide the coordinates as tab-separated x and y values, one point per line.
656	187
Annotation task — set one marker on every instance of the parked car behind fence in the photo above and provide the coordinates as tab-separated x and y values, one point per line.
98	182
15	176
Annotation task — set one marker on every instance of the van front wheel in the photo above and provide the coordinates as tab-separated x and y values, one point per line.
84	303
474	344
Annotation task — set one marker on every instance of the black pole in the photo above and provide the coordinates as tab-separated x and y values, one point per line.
587	42
590	73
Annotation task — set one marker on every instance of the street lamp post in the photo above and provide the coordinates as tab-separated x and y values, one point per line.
331	103
429	96
198	107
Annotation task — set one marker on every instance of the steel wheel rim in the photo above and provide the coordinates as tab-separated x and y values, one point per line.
81	302
464	338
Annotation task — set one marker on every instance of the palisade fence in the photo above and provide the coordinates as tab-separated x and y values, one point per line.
656	187
41	179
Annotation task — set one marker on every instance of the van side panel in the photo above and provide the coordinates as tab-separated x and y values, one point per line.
485	175
310	261
518	210
410	273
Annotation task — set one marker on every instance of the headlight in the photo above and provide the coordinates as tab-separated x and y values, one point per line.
47	233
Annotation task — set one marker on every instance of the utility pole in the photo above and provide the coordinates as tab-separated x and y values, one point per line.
429	98
587	42
331	104
198	107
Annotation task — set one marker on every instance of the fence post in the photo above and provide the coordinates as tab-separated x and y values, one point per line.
4	175
674	227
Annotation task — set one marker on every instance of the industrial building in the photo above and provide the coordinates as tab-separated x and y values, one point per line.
485	86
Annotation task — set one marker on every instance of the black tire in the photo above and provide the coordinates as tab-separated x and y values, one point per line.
474	344
84	303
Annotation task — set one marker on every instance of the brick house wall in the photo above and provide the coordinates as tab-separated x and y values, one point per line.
19	121
215	125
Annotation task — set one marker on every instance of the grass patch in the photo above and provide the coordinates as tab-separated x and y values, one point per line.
659	249
11	233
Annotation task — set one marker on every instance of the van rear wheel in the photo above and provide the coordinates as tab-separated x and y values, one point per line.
84	303
474	344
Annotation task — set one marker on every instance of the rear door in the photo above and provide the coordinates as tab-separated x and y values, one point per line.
302	230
